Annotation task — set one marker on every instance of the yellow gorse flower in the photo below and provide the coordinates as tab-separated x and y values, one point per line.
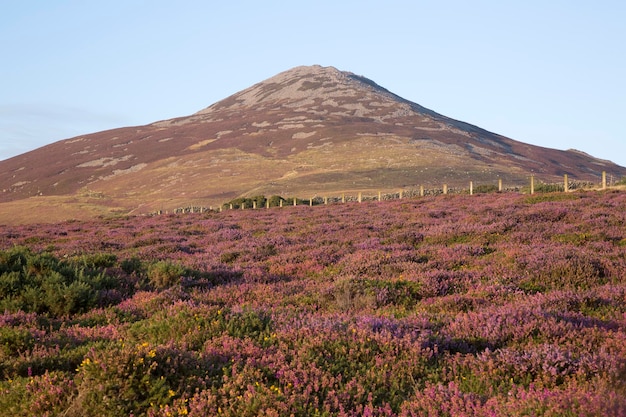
85	362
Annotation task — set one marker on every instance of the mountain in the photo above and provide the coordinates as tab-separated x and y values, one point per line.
307	131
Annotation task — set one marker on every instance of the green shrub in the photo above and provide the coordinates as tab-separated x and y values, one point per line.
249	324
97	260
547	197
14	340
128	379
485	188
64	299
289	201
165	274
275	200
548	188
132	266
14	259
43	284
229	257
249	202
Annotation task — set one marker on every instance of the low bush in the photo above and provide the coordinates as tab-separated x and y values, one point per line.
485	188
164	274
39	282
128	379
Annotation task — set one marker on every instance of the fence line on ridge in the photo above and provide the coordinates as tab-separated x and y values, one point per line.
421	191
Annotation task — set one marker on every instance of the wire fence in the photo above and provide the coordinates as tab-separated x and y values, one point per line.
533	186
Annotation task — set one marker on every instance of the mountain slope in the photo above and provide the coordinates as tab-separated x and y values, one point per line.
308	130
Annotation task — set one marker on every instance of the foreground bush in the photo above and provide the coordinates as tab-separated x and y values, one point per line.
41	283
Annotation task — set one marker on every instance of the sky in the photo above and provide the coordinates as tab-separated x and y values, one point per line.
546	72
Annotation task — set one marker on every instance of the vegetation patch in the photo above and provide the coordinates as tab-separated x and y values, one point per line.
426	306
41	283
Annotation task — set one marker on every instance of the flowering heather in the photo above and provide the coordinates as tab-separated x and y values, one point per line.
458	305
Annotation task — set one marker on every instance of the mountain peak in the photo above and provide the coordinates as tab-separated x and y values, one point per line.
307	86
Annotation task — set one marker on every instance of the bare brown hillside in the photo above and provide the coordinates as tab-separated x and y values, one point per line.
306	131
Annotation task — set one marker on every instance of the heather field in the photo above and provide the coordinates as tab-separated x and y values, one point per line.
458	305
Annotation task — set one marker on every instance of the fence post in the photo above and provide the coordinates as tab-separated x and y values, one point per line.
604	180
500	185
295	201
401	194
254	204
343	198
311	202
565	183
281	203
325	200
231	206
360	198
532	184
380	196
471	187
421	191
243	206
267	203
445	189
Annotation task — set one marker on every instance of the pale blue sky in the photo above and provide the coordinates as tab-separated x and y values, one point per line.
550	72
